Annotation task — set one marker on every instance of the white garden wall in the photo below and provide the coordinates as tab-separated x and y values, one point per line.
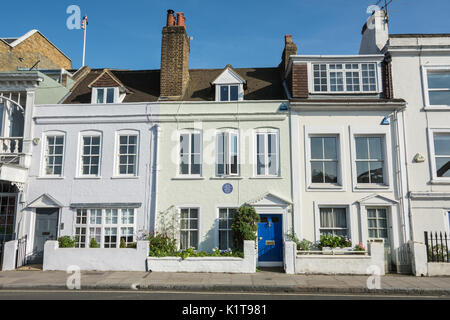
207	264
95	259
343	264
420	264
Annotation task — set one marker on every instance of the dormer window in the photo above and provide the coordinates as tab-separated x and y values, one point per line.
105	95
229	92
229	86
107	88
345	78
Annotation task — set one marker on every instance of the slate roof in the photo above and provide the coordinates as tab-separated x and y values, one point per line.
144	85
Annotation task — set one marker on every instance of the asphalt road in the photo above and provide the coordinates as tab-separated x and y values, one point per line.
153	295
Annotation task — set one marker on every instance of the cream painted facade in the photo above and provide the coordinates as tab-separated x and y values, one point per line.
205	191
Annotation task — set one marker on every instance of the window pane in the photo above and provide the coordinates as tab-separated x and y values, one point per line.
316	148
110	95
375	148
273	165
100	95
361	148
272	143
439	80
330	148
326	218
376	172
442	144
317	172
184	143
362	171
331	172
439	98
223	93
443	167
233	93
260	143
340	218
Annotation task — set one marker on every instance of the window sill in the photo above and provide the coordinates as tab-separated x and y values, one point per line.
227	178
325	186
437	108
87	178
125	177
50	178
439	181
372	187
266	177
188	178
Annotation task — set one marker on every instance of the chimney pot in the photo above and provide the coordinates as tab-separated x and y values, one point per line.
170	18
288	38
181	19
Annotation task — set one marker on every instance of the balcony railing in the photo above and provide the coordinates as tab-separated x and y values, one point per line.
11	146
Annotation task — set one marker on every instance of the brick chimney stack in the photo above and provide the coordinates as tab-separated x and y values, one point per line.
290	48
175	48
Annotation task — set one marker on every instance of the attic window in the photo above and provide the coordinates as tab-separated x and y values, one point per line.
105	95
229	92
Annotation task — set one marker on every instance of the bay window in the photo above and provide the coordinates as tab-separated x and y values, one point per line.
107	226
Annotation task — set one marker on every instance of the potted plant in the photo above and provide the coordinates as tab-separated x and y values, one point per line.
330	244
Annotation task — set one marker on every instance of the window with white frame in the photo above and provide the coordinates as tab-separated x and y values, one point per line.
190	153
267	153
189	228
229	92
54	154
226	216
90	154
109	227
105	95
227	153
333	221
442	154
438	87
324	159
377	223
370	159
345	77
127	156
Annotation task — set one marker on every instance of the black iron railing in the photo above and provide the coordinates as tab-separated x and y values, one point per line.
437	247
21	257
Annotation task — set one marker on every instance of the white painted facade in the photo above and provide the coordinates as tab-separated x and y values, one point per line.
414	57
345	117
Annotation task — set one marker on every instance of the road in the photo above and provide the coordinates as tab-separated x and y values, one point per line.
153	295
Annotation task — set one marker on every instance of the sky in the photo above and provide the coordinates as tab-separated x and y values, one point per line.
243	33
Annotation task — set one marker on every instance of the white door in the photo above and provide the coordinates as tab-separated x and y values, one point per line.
378	228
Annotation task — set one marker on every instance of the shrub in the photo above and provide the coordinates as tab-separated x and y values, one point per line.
67	242
245	225
123	243
93	244
303	245
161	245
132	245
334	241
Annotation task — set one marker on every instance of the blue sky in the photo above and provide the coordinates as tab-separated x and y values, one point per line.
244	33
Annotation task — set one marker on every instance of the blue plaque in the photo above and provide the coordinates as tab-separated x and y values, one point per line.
227	188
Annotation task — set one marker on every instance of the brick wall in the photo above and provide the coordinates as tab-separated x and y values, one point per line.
32	49
387	80
299	81
175	49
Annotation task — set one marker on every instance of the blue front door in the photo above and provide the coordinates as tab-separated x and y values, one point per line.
270	238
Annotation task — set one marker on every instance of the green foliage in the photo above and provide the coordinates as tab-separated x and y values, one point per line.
359	247
334	241
93	244
123	243
161	245
183	254
245	225
67	242
439	253
132	245
303	245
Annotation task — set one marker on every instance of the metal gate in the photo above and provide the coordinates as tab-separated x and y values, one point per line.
21	256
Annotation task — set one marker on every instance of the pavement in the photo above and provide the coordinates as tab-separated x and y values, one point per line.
263	281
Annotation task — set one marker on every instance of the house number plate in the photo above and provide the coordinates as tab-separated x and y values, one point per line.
270	243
